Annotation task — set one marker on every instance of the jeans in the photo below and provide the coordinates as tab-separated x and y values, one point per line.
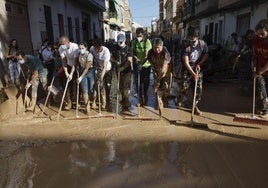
262	85
88	82
43	79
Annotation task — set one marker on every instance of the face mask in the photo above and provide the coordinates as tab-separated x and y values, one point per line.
64	46
139	39
192	42
22	61
82	51
49	49
121	44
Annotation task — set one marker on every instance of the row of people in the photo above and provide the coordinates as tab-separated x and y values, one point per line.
90	67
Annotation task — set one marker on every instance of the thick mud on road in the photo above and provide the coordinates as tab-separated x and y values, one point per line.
110	152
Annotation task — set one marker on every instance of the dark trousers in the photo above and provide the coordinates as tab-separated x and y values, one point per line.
144	83
262	86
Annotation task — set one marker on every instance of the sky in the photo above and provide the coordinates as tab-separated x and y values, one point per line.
143	11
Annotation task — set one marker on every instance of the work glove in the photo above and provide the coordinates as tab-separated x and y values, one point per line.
79	79
28	85
156	86
198	68
67	74
99	82
70	77
195	76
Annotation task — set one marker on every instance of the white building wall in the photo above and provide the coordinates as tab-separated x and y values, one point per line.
259	12
230	19
38	24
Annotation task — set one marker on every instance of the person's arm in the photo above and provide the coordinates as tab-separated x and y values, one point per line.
148	46
34	76
105	63
204	59
7	55
88	65
64	64
185	59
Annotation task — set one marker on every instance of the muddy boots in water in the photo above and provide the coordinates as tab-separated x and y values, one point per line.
31	108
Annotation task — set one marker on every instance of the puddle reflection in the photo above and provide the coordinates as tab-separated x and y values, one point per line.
96	164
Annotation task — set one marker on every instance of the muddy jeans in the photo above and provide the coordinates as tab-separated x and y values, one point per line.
88	82
14	71
43	80
262	86
188	81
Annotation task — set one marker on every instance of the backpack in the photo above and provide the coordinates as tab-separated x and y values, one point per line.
202	45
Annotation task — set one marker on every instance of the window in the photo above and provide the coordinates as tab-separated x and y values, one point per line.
21	10
8	7
77	29
220	39
216	33
206	29
70	28
243	24
61	24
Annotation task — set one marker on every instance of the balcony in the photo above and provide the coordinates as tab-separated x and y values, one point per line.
206	7
188	11
236	4
98	6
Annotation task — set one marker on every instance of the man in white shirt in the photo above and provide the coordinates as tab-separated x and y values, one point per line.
48	60
69	57
102	64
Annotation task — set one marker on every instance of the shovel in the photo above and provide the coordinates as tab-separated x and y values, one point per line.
195	123
63	96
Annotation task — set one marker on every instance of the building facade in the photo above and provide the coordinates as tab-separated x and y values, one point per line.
31	22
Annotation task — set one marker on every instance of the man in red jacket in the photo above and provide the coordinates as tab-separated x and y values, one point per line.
261	63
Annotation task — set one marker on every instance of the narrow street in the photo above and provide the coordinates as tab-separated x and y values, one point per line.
107	152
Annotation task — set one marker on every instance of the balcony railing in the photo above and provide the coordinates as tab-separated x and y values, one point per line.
206	6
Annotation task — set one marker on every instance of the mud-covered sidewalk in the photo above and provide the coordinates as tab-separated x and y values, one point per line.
112	152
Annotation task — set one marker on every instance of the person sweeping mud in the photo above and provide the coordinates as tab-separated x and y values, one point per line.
122	60
260	55
102	64
140	46
87	74
37	73
159	57
69	57
194	54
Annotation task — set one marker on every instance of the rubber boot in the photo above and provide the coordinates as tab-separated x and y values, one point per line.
87	104
94	106
68	105
32	106
103	101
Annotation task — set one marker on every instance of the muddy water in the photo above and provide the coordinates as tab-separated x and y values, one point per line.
92	164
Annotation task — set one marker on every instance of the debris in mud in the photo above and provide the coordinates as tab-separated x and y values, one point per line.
3	96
